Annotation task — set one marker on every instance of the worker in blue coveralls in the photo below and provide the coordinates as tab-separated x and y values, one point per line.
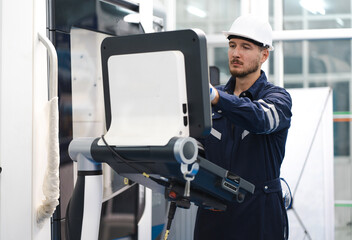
251	118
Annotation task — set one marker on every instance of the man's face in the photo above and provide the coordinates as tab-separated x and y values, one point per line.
245	57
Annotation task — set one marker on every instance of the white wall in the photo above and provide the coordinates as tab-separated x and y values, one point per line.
22	62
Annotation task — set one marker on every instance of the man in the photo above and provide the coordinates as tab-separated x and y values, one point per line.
251	118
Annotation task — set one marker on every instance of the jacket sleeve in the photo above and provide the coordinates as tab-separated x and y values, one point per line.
267	115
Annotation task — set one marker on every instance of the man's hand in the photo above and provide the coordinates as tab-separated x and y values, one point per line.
214	95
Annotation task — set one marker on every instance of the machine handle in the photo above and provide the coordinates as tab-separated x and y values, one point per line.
53	67
51	181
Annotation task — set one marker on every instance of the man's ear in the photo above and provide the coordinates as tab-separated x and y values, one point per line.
265	55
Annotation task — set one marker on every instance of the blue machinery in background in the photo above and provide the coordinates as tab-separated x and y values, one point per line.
153	120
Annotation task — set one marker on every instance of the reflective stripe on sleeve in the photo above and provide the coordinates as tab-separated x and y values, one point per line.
271	113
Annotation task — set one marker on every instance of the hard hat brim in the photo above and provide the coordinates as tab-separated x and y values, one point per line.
227	34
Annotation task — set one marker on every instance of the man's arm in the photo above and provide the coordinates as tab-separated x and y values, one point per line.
263	116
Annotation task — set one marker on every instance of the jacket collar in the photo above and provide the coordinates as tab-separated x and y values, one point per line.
253	91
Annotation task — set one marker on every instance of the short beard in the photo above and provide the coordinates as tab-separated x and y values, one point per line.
252	68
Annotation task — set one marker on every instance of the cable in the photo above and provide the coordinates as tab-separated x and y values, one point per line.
170	217
116	154
126	161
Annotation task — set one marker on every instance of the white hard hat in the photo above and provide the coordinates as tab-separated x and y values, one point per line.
252	28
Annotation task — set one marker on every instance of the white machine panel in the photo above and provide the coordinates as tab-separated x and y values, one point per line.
148	98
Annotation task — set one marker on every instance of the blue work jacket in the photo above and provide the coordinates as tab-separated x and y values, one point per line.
248	138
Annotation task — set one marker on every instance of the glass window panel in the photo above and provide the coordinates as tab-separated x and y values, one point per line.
337	6
271	8
343	188
318	84
315	14
293	85
210	16
271	62
316	7
330	56
293	60
221	61
342	139
331	23
292	25
341	96
343	216
292	8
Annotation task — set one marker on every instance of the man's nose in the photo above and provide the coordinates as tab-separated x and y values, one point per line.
235	52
